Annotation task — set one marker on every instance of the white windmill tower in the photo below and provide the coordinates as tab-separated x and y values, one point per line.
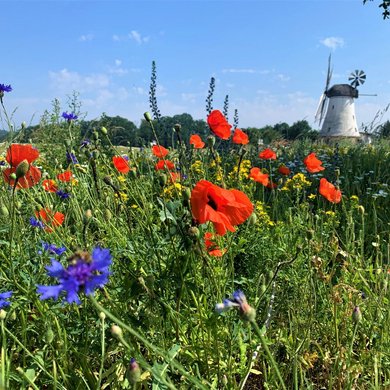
336	110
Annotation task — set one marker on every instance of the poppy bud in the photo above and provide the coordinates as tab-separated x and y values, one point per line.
22	169
148	117
87	215
4	211
13	316
67	143
177	127
102	316
3	314
95	135
187	194
252	219
361	209
224	380
104	130
133	372
12	176
162	179
356	315
107	215
116	331
23	125
193	231
210	141
49	336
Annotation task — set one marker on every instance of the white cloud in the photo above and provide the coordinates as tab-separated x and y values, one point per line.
239	70
65	81
116	38
333	42
136	36
282	77
85	38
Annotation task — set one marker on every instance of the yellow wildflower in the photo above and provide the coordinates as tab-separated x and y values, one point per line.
173	190
312	196
196	167
121	179
297	182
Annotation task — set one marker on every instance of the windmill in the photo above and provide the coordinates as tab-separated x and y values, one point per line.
336	109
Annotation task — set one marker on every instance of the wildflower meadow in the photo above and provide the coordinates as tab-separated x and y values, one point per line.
217	263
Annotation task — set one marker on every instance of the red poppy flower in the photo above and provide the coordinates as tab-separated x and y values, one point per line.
224	208
329	191
162	164
159	151
196	141
258	176
219	125
50	185
65	176
212	248
267	154
121	164
283	170
50	219
22	153
313	164
240	138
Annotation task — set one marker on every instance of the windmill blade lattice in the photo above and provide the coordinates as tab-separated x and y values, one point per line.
358	77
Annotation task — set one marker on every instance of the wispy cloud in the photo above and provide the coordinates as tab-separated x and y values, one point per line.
239	70
86	37
136	36
333	42
65	81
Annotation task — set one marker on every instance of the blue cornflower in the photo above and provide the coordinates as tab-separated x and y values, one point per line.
238	300
69	117
71	158
5	88
36	223
52	249
62	194
85	273
85	143
4	296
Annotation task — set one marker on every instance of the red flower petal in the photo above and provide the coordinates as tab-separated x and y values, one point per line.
31	178
239	137
313	164
219	125
16	153
196	141
121	164
159	151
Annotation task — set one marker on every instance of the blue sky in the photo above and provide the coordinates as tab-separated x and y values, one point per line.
270	57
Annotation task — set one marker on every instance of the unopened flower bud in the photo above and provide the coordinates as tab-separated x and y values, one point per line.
187	194
3	314
107	215
12	176
87	215
133	372
356	315
361	209
23	125
95	135
193	231
162	179
177	127
210	141
4	211
22	169
104	130
252	219
49	336
148	117
116	331
102	316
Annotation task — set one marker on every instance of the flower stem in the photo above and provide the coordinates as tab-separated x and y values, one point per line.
268	352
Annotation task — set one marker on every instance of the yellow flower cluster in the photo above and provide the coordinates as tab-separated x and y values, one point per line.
297	182
173	190
244	170
196	167
263	217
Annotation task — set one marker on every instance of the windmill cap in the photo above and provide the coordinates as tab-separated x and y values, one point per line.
342	90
